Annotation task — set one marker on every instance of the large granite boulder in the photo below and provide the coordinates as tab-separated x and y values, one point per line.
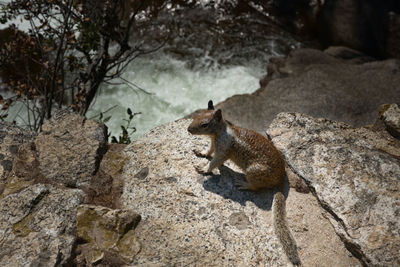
193	220
70	148
37	207
338	84
37	226
355	175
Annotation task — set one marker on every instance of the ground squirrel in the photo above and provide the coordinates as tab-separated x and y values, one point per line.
262	163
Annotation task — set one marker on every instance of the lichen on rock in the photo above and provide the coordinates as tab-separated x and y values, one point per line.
107	230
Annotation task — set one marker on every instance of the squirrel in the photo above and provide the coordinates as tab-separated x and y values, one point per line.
262	163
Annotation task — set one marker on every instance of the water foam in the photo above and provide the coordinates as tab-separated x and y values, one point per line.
175	90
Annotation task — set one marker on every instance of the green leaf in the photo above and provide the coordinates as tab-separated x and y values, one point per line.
106	119
124	131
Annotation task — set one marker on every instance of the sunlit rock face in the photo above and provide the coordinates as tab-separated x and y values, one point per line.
354	173
147	204
191	219
37	225
37	204
70	148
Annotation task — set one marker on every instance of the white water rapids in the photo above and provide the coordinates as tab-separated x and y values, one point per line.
175	90
215	53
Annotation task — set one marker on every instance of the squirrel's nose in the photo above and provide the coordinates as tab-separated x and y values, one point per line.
190	129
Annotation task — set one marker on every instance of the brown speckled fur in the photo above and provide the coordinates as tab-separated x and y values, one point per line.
261	162
256	155
253	153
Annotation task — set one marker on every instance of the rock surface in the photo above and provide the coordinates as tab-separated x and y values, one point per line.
354	173
37	226
11	138
192	220
390	115
37	211
335	84
106	186
70	148
106	232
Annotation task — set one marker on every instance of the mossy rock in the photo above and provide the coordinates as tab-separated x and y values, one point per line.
22	228
13	185
108	230
96	228
128	246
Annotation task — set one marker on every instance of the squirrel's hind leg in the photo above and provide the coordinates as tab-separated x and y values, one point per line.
242	184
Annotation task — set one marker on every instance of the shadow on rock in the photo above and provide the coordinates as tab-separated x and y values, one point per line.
223	185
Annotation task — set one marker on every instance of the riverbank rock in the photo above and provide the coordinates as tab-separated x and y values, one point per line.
339	84
354	173
37	207
193	220
70	148
190	219
37	226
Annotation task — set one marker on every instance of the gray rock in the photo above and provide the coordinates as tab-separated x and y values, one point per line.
70	148
393	40
368	26
335	84
106	186
390	115
11	138
348	54
354	173
37	226
193	220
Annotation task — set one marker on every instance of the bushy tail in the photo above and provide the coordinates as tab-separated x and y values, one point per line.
282	230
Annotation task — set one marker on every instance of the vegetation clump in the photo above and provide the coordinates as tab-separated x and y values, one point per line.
70	48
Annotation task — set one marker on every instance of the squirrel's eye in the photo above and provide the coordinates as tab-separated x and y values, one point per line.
204	125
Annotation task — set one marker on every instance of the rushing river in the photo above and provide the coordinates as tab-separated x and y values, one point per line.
173	90
215	49
216	54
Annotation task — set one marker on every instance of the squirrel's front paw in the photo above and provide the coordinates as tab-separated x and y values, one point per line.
201	170
201	154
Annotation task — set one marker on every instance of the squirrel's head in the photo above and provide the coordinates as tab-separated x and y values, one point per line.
207	122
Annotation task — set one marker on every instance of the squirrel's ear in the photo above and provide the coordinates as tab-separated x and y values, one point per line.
210	105
218	115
